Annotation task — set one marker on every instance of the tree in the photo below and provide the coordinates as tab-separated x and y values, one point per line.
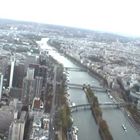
65	118
95	101
105	130
98	111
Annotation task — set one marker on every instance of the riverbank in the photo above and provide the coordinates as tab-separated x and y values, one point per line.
64	121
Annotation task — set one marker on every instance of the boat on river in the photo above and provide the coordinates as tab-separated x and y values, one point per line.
75	129
74	137
74	133
124	127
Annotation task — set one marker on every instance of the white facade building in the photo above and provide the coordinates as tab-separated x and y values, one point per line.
11	72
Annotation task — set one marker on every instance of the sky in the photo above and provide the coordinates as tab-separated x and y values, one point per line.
118	16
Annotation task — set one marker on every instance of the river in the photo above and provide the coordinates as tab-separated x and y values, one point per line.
88	129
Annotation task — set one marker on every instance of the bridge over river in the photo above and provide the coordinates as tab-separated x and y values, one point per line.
79	86
105	104
74	69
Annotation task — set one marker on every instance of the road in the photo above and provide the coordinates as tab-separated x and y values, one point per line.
52	113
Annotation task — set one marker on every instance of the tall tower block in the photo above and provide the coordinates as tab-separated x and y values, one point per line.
11	71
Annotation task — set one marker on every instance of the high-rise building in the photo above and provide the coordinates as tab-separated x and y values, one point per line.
28	90
38	85
11	71
19	74
39	70
28	87
1	84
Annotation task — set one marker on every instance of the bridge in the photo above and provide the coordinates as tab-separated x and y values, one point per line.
74	69
80	107
105	104
80	86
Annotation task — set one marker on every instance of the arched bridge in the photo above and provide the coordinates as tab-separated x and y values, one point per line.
74	69
80	86
105	104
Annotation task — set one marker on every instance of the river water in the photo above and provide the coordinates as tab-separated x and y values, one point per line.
83	119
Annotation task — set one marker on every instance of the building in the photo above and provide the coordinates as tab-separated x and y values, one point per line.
30	59
28	92
19	74
43	58
16	130
17	83
40	126
11	72
38	85
30	73
39	70
1	85
135	96
37	104
6	118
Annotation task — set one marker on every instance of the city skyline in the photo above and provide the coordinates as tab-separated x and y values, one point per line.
119	17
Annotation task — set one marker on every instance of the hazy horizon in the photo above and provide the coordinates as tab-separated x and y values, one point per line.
111	16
